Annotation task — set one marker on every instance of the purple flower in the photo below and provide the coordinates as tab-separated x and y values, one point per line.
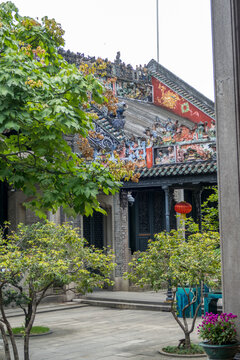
214	328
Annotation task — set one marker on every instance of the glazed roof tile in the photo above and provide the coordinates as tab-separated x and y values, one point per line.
191	168
105	122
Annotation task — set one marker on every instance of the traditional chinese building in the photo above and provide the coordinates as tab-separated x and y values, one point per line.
180	160
168	129
170	134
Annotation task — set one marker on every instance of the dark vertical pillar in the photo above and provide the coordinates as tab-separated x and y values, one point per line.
167	219
167	207
197	199
173	220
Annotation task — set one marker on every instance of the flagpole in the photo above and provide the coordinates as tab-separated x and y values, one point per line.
157	32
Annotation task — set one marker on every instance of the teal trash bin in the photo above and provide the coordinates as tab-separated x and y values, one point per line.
182	301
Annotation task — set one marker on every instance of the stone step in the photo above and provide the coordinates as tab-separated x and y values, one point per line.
44	308
129	303
125	300
125	304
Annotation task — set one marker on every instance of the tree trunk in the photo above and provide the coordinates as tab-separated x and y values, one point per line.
26	346
5	343
9	328
28	316
12	339
28	325
187	340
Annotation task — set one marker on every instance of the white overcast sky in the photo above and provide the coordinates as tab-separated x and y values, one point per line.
103	27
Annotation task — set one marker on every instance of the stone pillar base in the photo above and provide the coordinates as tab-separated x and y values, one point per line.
120	284
69	295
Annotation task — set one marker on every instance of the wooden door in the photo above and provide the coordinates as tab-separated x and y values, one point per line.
93	229
146	218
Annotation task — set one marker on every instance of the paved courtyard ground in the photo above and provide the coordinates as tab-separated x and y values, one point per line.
96	333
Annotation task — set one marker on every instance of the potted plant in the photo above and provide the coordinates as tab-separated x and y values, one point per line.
219	334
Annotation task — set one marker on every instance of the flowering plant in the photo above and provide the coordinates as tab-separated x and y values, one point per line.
218	329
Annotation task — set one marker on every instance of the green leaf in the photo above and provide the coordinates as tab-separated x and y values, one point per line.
41	110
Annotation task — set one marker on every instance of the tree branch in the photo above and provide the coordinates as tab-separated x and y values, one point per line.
172	310
198	307
43	293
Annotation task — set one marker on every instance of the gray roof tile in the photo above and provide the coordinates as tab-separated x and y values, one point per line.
191	168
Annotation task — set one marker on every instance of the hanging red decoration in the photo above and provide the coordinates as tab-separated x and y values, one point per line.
183	207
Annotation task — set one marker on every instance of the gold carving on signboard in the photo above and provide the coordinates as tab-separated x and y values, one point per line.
168	98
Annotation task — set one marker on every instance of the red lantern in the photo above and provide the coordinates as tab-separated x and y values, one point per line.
183	208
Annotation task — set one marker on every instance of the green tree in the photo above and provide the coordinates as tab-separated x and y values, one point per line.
35	258
43	99
210	211
188	263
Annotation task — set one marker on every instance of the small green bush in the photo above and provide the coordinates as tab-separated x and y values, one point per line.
194	349
35	330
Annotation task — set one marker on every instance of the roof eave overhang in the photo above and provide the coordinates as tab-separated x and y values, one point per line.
176	181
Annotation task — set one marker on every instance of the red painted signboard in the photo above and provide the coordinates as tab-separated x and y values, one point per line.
167	98
149	157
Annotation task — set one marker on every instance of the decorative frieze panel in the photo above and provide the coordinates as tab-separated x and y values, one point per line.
174	143
183	153
167	142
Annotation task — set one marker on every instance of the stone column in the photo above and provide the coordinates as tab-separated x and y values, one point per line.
179	196
56	217
225	15
121	239
17	212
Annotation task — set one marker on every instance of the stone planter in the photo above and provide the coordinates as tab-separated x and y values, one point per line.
218	352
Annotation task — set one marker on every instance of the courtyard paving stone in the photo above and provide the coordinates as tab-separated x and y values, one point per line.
95	333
